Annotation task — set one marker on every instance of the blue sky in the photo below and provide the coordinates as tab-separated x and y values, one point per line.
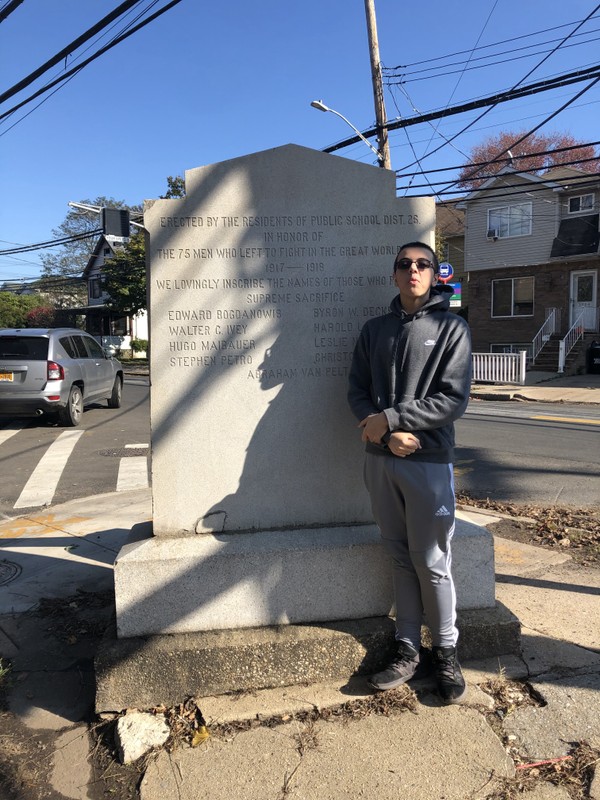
212	81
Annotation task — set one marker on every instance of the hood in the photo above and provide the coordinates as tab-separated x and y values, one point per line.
439	300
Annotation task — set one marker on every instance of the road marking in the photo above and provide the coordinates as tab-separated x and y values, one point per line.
461	468
6	433
39	489
569	419
138	446
133	473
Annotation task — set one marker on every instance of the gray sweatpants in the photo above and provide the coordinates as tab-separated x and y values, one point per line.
413	504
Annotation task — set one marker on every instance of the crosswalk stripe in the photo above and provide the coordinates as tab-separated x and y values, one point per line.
6	433
133	473
39	489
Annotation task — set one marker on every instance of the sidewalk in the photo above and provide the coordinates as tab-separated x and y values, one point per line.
51	691
544	387
67	552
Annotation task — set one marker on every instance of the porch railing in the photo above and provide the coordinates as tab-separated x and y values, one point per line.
550	326
565	345
500	367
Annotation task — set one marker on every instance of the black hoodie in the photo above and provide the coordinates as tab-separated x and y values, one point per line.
416	368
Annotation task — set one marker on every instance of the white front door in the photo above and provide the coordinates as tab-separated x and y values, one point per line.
584	293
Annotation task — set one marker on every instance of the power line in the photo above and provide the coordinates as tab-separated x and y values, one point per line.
504	123
513	172
27	248
536	128
519	188
93	57
531	71
487	46
8	8
400	174
565	79
436	127
444	71
52	62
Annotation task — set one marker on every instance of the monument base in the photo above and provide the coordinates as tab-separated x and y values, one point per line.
147	672
213	582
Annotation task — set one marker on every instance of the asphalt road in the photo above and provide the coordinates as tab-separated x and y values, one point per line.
43	464
529	453
512	452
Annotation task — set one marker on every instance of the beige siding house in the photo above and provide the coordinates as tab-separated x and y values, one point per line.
531	251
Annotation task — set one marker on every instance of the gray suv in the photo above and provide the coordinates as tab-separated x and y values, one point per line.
55	371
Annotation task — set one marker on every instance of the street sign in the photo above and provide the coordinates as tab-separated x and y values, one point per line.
456	299
445	272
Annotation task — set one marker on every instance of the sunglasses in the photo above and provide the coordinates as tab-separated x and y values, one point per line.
420	263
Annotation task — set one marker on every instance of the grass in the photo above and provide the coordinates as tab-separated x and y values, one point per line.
4	670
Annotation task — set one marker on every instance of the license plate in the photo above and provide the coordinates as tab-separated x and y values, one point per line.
6	376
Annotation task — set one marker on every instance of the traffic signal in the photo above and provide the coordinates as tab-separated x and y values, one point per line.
115	222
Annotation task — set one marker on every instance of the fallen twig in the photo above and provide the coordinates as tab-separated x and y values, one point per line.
542	763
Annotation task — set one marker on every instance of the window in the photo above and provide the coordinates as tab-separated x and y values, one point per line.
67	343
583	202
95	350
513	220
79	346
95	288
512	348
512	297
119	326
30	348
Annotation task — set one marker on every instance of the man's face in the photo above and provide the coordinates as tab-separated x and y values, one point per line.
414	284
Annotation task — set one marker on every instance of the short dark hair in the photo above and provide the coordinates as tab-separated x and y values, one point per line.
434	258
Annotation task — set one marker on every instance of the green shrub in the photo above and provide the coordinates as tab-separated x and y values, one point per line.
139	345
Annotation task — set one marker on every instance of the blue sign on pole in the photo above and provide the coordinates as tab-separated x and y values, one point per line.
446	272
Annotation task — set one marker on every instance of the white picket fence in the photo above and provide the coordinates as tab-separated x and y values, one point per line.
500	367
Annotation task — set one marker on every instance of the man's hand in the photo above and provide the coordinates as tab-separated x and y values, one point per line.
402	443
374	427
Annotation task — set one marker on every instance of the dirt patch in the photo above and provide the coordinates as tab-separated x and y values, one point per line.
64	632
573	530
573	772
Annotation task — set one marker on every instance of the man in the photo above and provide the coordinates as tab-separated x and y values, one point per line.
410	379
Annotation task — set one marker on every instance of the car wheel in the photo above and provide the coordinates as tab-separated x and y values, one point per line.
114	401
71	414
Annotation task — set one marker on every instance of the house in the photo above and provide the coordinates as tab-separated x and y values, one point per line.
110	328
531	258
450	244
17	287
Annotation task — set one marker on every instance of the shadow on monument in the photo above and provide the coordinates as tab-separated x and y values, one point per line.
274	475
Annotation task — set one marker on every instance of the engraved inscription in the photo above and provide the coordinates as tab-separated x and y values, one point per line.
285	263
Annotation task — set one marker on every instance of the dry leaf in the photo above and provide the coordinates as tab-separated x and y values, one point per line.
201	735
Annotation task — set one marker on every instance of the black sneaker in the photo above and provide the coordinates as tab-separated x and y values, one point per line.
450	682
400	670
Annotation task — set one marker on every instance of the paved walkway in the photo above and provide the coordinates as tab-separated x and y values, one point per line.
375	757
544	387
432	752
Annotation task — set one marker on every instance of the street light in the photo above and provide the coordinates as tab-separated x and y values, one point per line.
320	105
111	211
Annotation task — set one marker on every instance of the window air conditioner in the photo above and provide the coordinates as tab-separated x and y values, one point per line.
492	233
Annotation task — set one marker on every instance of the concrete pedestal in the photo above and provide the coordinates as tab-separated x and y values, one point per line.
144	672
219	613
240	580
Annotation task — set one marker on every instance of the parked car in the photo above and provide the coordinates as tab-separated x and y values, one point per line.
55	371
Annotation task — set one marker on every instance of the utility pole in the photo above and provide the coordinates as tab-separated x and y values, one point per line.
380	115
